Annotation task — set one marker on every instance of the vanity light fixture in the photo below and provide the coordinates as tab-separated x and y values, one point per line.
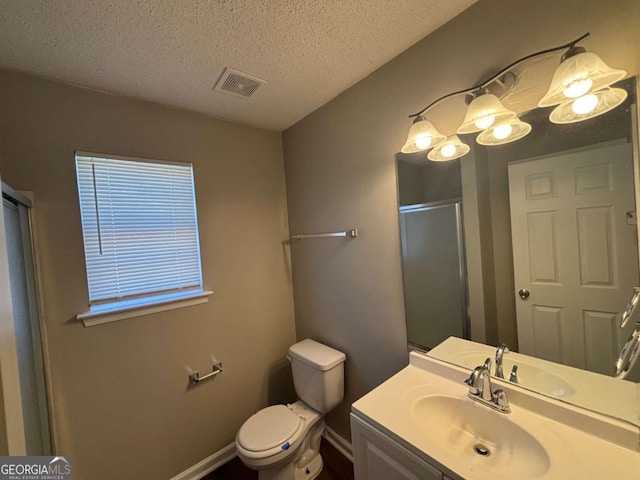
580	87
579	73
498	124
502	133
588	106
450	149
422	136
483	112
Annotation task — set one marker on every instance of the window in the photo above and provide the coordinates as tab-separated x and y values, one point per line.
140	234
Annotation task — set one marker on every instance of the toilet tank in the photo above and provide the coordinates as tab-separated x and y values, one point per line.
318	374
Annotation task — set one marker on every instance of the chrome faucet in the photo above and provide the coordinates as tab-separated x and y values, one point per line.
480	382
500	351
487	364
480	390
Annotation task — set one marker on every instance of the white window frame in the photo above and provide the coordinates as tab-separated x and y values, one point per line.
111	311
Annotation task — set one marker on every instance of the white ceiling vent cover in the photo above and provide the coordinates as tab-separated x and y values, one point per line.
238	83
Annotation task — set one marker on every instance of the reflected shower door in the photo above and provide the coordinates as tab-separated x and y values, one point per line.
434	273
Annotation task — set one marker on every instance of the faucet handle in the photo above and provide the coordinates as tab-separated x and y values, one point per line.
513	377
500	399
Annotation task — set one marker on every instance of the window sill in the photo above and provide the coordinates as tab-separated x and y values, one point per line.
113	312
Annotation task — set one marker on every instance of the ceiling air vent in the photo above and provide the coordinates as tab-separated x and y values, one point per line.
238	83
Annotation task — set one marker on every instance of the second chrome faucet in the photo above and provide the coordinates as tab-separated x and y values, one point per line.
500	351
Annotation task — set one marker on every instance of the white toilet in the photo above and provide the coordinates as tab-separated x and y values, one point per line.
282	442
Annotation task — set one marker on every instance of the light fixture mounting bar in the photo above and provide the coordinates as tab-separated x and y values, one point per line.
499	87
487	82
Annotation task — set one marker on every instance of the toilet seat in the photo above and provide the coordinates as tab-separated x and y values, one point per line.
271	431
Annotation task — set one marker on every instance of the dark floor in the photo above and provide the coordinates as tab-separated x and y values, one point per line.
336	467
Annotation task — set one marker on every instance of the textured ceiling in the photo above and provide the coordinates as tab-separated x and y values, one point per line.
173	51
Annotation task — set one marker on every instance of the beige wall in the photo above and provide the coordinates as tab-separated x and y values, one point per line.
340	170
122	408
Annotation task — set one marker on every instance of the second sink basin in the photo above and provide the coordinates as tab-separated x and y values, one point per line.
486	440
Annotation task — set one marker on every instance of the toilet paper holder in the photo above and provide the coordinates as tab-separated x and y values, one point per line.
195	377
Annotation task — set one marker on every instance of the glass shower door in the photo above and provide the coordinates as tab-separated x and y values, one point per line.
28	341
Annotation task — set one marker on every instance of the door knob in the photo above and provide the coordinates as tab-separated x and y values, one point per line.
524	293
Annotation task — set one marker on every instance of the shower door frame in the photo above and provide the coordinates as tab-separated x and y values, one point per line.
11	388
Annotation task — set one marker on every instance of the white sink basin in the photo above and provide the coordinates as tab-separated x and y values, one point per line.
530	376
486	440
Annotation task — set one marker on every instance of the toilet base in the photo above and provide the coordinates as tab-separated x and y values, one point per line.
311	471
306	466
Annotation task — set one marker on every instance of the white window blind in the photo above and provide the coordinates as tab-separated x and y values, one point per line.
140	228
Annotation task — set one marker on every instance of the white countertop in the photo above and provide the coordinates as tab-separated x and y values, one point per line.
579	444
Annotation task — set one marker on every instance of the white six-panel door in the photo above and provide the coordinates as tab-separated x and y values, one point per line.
574	247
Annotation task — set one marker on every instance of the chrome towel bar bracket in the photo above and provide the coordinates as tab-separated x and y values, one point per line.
352	233
195	377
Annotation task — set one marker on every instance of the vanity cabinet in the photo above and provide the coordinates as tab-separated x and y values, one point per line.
376	456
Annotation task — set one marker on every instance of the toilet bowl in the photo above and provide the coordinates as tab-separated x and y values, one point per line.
282	442
274	440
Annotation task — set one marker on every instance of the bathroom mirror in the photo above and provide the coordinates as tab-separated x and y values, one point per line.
479	262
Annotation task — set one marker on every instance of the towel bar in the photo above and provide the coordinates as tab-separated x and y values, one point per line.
352	233
196	378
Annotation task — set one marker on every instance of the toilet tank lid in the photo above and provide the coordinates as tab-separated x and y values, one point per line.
316	354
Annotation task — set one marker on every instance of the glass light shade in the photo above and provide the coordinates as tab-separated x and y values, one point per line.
504	133
422	135
450	149
483	112
588	106
577	75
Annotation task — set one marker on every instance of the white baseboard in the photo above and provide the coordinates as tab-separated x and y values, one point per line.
339	442
209	464
228	453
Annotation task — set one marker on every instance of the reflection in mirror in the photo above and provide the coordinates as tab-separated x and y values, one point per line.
597	392
550	250
432	240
